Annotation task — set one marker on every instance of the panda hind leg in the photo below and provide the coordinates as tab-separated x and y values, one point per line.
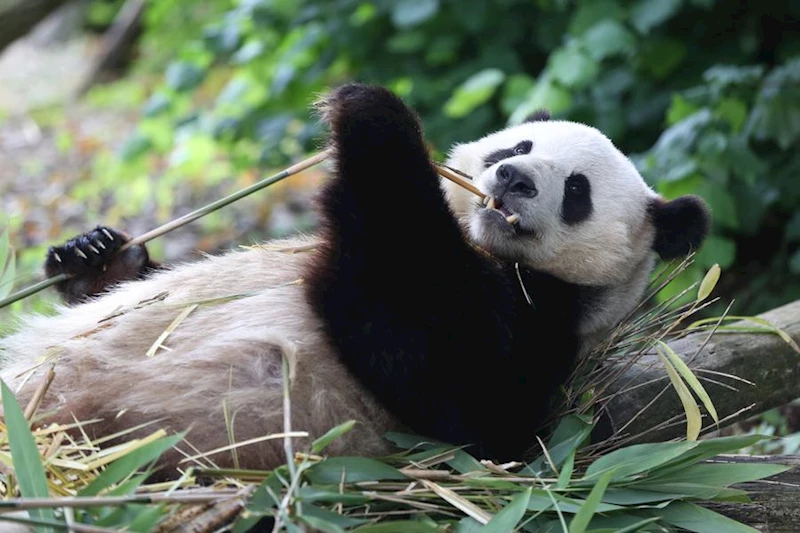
93	263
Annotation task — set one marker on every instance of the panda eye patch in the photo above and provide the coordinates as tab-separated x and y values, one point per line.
521	148
577	185
577	204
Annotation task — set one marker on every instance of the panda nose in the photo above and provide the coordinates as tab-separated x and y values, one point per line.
516	182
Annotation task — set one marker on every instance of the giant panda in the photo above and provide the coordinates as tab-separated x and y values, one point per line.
416	306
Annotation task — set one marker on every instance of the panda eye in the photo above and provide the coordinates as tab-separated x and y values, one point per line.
523	148
576	185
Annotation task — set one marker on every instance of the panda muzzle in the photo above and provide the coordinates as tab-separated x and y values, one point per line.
515	182
491	202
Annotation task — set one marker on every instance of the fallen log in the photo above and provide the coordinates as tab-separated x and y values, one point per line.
766	360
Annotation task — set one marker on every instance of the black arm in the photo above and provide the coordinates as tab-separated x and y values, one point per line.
420	317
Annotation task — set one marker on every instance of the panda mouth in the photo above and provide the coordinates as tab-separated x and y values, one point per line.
494	204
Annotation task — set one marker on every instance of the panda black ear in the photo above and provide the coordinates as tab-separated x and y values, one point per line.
681	225
540	115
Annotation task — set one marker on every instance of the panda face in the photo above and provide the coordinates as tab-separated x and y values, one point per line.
560	198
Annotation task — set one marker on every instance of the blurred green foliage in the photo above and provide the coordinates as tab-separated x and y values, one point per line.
704	94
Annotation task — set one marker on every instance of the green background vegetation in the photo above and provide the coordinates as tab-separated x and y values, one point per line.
703	94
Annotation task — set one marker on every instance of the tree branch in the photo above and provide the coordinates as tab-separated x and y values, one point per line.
17	17
775	502
764	359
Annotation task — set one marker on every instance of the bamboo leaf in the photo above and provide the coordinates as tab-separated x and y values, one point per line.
459	502
638	458
768	327
334	433
628	529
463	462
352	470
566	472
709	448
508	518
25	456
318	524
584	515
568	436
310	493
709	282
541	500
406	526
636	495
693	417
720	474
323	516
700	520
147	519
130	463
691	380
687	490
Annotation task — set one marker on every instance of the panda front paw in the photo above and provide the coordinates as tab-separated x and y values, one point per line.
368	118
92	261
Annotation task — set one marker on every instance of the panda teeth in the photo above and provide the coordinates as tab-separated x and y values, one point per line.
491	204
512	219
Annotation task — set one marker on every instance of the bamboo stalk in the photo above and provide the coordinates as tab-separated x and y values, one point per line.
33	289
458	180
213	206
37	397
203	211
181	221
99	501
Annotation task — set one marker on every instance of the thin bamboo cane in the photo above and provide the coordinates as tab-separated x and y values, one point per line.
201	212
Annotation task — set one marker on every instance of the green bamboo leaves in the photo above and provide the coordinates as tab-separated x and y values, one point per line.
25	456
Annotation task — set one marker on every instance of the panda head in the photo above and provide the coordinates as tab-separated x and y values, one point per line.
563	199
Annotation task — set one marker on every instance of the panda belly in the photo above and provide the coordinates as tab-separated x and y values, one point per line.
226	354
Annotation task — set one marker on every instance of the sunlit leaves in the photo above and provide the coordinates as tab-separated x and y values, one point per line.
722	77
647	14
777	112
474	92
407	13
546	94
183	76
156	105
607	38
573	66
248	52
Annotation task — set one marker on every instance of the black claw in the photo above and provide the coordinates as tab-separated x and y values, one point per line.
93	263
91	251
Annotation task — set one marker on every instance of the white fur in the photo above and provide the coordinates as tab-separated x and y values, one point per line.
225	351
251	313
612	249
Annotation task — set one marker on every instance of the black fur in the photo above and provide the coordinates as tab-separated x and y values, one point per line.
523	147
540	115
442	335
681	225
577	204
93	265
